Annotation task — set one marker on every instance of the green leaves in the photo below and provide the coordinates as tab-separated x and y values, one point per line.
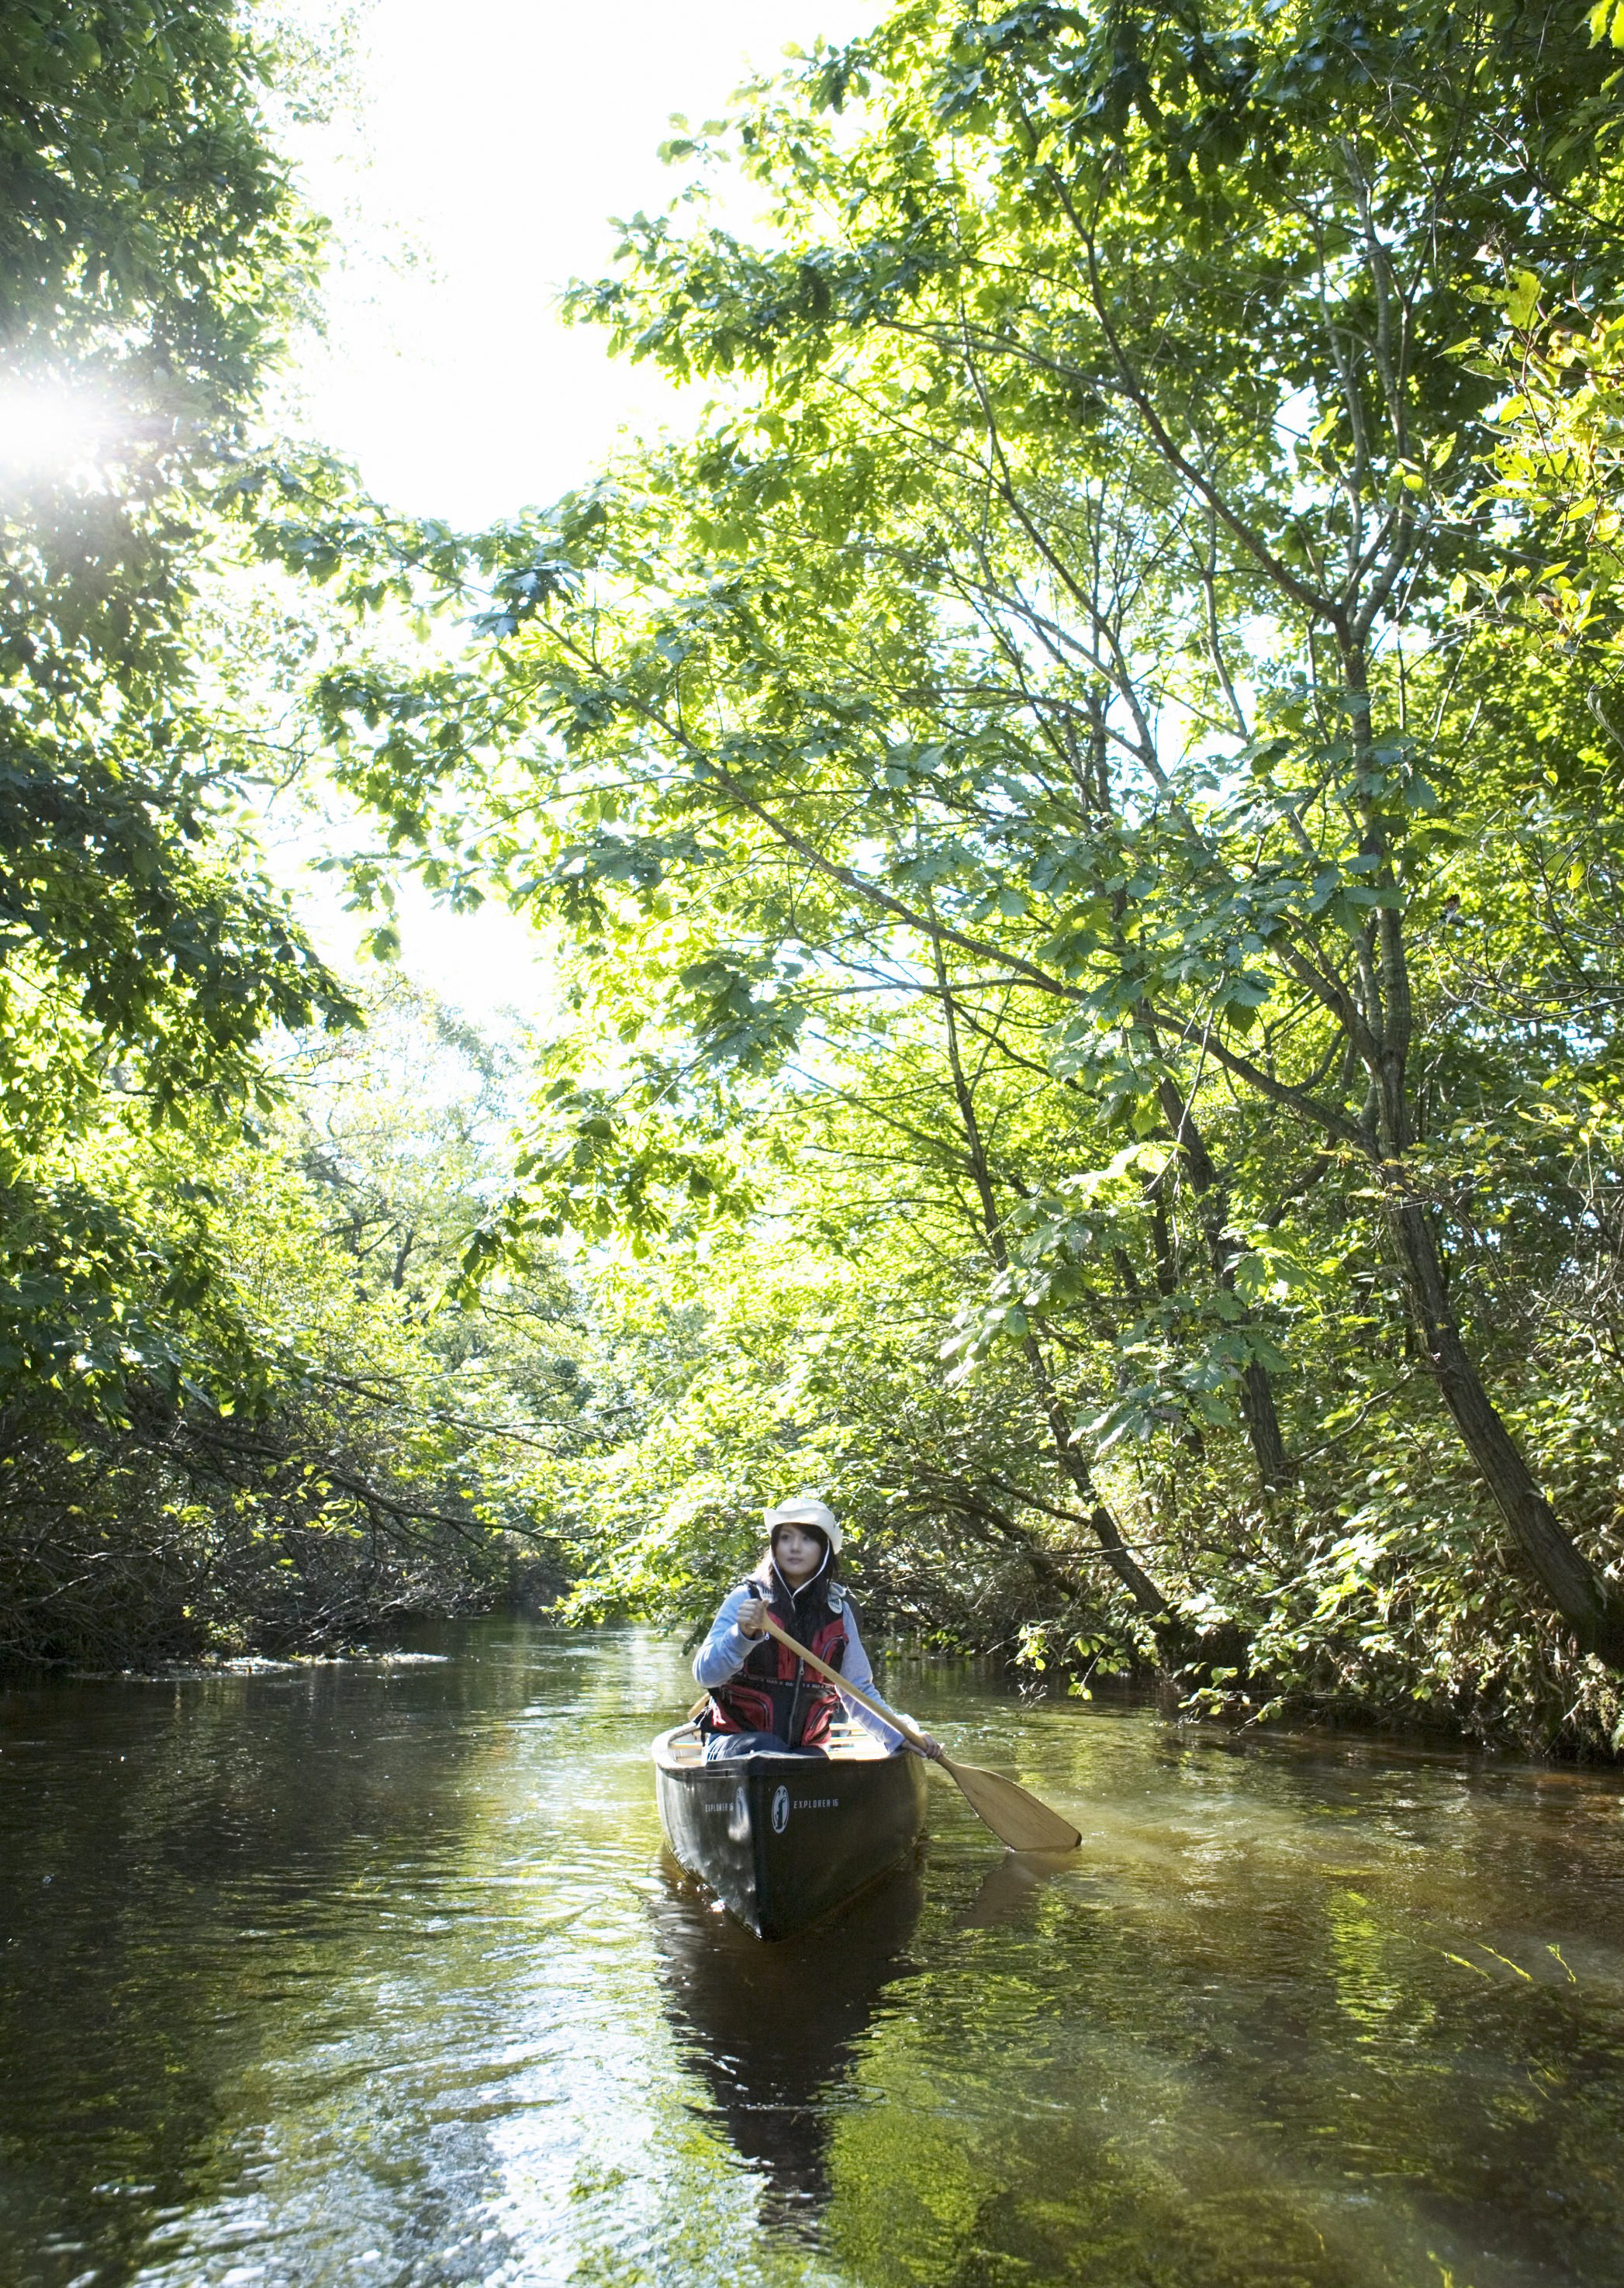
1039	865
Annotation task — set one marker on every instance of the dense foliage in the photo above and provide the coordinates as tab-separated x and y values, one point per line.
349	1443
190	1456
1091	864
1078	816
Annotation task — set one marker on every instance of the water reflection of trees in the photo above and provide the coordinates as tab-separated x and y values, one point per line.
771	2028
184	1866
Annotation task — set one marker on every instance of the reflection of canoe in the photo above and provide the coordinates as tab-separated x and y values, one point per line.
783	1839
769	2030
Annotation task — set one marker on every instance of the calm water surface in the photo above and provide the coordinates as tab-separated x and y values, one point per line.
374	1974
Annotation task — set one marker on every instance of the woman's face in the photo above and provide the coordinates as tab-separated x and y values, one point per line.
796	1554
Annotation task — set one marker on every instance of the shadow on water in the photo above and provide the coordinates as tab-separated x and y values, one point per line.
771	2029
1009	1885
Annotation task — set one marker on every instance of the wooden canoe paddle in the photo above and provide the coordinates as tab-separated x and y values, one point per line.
1015	1818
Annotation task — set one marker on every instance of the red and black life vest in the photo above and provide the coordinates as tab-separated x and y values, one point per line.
774	1691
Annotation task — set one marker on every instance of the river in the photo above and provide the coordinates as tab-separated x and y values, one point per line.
373	1972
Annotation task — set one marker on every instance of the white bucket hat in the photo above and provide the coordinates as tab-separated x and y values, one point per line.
806	1509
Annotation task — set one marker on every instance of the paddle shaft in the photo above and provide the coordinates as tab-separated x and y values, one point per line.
1015	1818
845	1684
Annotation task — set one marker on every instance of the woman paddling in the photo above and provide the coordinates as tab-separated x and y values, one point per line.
765	1701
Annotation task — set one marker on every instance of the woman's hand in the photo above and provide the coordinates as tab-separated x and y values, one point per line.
752	1617
932	1747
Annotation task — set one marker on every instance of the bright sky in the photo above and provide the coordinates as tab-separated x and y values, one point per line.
496	142
500	149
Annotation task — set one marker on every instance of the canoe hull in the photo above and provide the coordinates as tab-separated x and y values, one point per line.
783	1840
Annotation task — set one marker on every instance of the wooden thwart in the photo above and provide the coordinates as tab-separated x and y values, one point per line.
1015	1818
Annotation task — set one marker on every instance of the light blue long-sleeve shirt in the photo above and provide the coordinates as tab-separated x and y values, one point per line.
726	1649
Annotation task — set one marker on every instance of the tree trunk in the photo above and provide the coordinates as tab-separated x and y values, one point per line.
1593	1611
1258	1408
1262	1424
1147	1597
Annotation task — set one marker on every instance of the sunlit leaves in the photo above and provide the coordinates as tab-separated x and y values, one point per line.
1056	627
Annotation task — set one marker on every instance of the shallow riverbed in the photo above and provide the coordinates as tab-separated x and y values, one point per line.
374	1972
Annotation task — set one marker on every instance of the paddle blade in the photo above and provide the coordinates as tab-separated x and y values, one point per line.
1015	1818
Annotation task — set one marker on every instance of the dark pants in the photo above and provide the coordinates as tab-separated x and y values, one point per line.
721	1745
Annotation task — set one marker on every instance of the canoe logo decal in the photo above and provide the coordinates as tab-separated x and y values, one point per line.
738	1826
780	1811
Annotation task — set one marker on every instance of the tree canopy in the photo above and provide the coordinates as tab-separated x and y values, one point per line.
1057	746
188	1460
1077	811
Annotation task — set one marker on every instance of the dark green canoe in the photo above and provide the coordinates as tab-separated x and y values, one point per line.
783	1840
